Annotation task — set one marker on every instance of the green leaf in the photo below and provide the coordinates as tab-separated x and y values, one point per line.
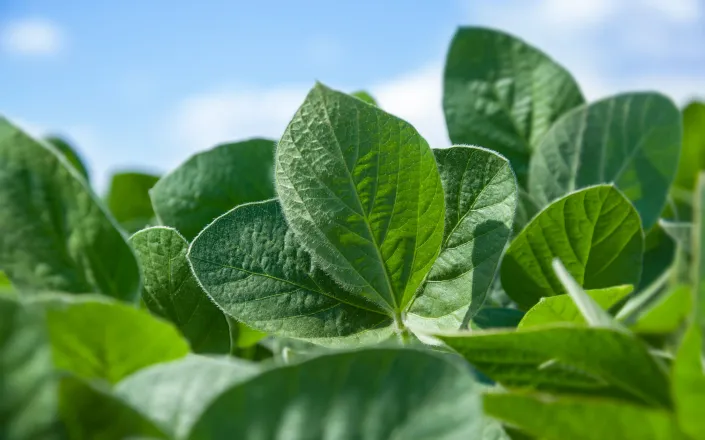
527	208
173	293
549	418
698	248
91	412
363	189
497	317
667	314
213	182
692	159
70	154
480	200
94	338
369	394
689	384
128	199
659	253
561	308
175	394
632	140
680	232
27	386
595	232
567	358
503	94
54	233
366	97
256	270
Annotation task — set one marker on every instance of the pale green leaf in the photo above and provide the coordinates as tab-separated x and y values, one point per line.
632	140
595	232
91	412
128	199
54	233
94	338
28	402
480	200
689	384
365	96
361	189
665	314
213	182
371	394
561	308
504	94
680	232
256	270
550	418
567	358
174	394
173	293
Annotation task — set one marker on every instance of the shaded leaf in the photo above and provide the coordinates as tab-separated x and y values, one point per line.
595	232
213	182
497	317
128	199
503	94
632	140
70	154
480	201
369	394
54	233
173	293
363	188
256	270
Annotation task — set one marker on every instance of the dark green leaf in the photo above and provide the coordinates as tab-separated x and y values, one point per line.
595	232
172	292
480	201
549	418
363	190
501	93
371	394
70	154
561	308
497	317
54	233
659	252
128	199
566	357
91	412
174	394
632	140
213	182
256	270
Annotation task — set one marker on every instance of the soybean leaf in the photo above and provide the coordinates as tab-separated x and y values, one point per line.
174	394
565	357
595	232
527	208
689	384
497	317
632	140
582	419
666	314
29	404
698	249
480	199
172	292
93	338
91	412
256	270
70	154
365	96
680	232
370	394
128	199
363	188
503	94
54	233
692	159
213	182
561	308
659	253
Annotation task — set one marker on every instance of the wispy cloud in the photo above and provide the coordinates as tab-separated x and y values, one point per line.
32	37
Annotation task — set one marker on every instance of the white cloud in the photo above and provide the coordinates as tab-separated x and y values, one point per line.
32	37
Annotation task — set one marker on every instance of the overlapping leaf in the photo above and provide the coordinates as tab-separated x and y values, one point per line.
213	182
595	232
128	199
632	140
54	233
501	93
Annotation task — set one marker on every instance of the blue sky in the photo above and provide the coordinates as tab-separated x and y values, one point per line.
144	84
